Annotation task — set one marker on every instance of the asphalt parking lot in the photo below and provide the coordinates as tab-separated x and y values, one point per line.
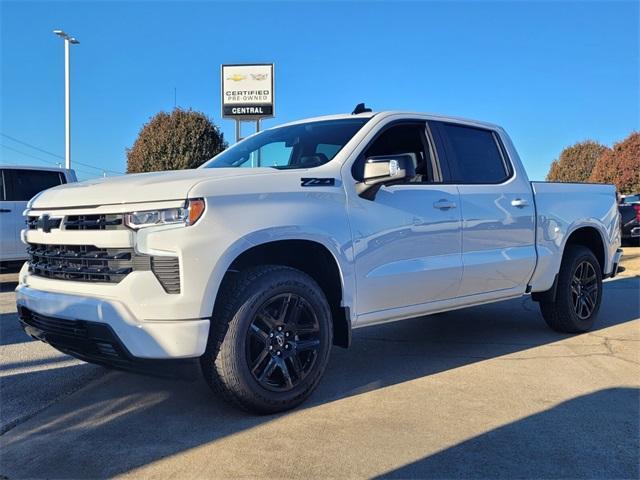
488	392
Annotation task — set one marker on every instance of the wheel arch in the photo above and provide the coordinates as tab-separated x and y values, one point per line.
592	238
315	257
589	236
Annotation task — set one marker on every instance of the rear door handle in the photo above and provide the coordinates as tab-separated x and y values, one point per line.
4	210
519	203
444	204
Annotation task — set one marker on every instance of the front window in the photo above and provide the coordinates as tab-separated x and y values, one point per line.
304	145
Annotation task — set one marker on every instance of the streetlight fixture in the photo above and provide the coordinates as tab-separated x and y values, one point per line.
68	40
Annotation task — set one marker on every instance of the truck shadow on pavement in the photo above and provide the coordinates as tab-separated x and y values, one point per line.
592	436
8	283
10	330
9	277
121	421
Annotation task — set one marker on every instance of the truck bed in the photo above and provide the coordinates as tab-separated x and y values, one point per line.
560	209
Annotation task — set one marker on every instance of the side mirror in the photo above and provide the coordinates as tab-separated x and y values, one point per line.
385	170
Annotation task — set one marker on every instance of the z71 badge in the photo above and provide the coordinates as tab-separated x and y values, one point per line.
318	182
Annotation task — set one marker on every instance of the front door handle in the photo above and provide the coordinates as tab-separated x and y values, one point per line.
519	203
4	210
444	204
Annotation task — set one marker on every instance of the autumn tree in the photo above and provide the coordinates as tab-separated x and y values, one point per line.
576	162
620	165
174	141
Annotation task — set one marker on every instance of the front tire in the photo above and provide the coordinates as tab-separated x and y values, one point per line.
578	292
270	339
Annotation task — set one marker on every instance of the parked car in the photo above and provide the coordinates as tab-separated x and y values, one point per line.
338	222
18	184
629	207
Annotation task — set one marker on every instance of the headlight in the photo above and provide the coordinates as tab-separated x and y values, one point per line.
187	215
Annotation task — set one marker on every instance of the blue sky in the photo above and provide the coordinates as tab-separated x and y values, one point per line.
551	72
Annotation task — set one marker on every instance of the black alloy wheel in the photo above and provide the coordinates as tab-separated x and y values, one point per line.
584	290
578	292
270	339
283	342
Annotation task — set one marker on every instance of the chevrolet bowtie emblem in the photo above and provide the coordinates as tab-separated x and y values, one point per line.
45	223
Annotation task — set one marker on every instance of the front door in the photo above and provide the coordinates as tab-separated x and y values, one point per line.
407	241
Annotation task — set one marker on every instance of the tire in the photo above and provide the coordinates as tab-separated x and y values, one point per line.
577	303
270	338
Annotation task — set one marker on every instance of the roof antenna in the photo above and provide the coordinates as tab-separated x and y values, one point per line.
360	108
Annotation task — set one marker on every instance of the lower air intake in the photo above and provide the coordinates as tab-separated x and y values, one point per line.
167	271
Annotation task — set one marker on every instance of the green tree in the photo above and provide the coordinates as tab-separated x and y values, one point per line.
576	162
620	165
174	141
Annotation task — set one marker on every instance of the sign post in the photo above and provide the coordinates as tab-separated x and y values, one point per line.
247	93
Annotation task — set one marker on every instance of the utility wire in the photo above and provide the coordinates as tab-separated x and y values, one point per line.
32	146
40	159
55	155
29	155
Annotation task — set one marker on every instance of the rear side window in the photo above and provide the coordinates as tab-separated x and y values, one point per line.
474	154
22	185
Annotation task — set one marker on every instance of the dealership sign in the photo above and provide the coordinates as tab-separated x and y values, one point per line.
247	91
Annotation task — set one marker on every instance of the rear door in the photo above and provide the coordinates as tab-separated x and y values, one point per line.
20	186
498	217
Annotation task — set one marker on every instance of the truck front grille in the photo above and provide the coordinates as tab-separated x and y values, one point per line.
87	263
84	263
33	223
92	222
79	222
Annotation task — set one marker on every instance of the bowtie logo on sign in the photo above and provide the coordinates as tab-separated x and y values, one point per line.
236	78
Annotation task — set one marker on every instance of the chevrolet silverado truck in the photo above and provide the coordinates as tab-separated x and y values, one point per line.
256	263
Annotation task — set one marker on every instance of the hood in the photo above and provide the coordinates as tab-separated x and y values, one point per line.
137	188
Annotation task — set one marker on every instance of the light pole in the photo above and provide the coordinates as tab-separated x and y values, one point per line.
68	40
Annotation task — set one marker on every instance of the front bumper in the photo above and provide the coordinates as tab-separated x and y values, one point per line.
97	343
63	314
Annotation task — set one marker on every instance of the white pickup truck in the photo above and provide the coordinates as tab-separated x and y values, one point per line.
256	263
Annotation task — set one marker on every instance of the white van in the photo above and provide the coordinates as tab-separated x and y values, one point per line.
18	184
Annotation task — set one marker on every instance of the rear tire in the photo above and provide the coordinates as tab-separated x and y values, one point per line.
271	334
578	292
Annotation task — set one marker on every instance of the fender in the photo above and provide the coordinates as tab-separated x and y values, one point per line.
548	266
340	253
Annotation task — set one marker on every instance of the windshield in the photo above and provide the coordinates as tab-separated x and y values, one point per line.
304	145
